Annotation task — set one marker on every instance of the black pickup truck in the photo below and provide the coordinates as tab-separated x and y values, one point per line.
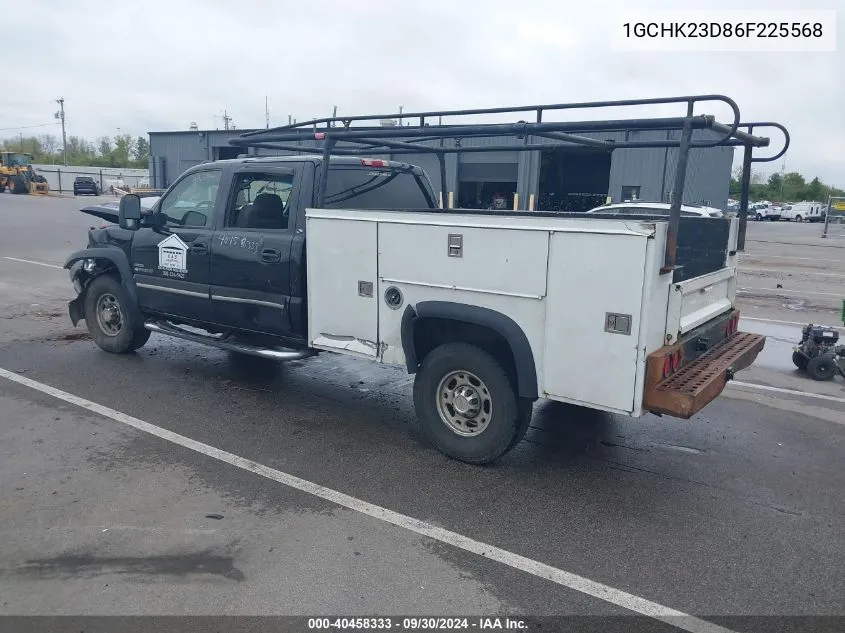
223	250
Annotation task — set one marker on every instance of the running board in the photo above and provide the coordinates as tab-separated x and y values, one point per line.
273	353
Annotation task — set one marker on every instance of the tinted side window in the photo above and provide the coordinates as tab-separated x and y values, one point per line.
377	189
260	201
191	201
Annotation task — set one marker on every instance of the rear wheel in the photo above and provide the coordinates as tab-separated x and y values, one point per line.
799	360
106	317
466	404
822	367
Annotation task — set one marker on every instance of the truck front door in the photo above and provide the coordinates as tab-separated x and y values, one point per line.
171	261
251	252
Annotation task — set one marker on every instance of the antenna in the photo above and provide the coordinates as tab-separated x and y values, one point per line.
266	113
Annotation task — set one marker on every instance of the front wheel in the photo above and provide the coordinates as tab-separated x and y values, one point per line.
466	404
798	218
759	216
106	317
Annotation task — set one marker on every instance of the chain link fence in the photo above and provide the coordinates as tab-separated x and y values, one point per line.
834	221
61	178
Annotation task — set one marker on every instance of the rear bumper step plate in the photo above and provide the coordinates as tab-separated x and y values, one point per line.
698	383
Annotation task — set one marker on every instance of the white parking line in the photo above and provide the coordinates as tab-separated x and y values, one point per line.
798	292
809	259
802	323
791	392
796	272
29	261
563	578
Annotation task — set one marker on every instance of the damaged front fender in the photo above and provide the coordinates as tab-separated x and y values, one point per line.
76	309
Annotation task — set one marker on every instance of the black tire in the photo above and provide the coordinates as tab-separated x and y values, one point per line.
75	192
525	411
19	185
116	338
759	217
798	218
799	360
822	367
506	422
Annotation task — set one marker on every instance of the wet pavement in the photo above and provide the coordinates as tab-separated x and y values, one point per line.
735	512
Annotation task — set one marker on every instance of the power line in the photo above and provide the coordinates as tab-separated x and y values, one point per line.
26	127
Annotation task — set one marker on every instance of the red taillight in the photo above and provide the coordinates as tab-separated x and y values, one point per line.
370	162
671	363
732	326
319	136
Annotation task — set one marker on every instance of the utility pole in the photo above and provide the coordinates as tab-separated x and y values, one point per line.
20	135
266	113
61	116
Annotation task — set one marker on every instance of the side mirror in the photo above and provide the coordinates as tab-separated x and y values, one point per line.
129	212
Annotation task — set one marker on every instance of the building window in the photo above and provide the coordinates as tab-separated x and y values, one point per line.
630	194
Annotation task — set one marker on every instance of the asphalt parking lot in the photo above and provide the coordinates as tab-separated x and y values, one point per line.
182	480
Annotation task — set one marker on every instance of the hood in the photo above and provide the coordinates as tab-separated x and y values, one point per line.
108	211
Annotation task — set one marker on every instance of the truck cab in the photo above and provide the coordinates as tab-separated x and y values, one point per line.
224	248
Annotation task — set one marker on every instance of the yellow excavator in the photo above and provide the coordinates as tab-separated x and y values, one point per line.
17	174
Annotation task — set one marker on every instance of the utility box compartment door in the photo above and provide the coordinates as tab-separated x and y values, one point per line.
497	261
342	264
593	318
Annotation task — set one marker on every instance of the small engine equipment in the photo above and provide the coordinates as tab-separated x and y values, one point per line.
818	353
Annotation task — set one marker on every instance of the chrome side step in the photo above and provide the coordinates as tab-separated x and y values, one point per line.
163	327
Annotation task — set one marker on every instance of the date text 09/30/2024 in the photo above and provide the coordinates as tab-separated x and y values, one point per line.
416	624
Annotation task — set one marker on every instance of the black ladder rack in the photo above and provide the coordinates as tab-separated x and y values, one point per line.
364	135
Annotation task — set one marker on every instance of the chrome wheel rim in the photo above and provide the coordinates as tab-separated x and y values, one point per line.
109	314
464	403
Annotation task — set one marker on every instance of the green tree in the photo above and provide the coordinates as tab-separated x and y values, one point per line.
774	187
816	190
142	152
123	149
105	149
794	187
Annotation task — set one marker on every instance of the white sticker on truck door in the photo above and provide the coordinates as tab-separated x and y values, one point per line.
172	257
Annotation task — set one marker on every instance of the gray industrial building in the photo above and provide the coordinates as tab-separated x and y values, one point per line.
569	179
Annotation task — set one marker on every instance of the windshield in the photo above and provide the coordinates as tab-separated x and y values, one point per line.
17	160
378	189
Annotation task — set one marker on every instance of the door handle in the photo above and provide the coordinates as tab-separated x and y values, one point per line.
271	255
199	249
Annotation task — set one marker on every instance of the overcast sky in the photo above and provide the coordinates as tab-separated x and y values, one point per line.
151	66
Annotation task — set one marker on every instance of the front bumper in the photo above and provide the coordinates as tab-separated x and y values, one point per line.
697	383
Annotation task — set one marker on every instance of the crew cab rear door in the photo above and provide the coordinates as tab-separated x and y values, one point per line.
251	264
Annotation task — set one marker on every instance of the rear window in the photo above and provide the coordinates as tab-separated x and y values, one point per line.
84	179
377	189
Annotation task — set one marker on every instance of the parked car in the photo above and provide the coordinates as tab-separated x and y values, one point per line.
656	209
800	211
85	184
764	211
